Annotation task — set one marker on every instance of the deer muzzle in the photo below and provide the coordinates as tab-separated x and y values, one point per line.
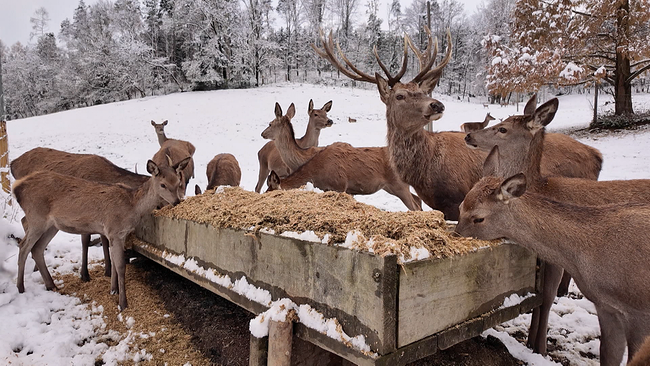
437	107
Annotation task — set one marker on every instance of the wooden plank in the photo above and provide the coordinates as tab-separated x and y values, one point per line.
437	294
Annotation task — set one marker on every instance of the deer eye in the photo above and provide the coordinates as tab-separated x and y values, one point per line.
478	220
503	130
399	97
163	186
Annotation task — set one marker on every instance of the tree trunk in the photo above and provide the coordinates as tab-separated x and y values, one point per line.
622	88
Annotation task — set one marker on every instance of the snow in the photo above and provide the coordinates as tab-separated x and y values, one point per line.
50	326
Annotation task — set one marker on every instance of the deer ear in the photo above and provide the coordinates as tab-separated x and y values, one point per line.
384	89
182	164
311	106
153	123
278	110
429	84
327	106
512	187
273	180
491	164
544	114
530	105
152	168
165	123
291	111
197	189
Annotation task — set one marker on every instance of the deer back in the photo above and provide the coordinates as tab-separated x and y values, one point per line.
222	170
177	151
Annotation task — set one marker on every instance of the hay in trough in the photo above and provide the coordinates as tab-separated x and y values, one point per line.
330	213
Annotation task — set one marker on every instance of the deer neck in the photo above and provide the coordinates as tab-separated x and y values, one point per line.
162	138
290	152
409	150
310	138
145	199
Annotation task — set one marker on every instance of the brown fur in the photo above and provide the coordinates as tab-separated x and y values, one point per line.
177	150
475	126
53	202
343	168
642	357
223	170
269	158
85	166
607	255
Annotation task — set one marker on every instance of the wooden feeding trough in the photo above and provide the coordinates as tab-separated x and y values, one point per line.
405	311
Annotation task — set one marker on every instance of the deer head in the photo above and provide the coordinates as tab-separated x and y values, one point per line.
408	105
167	181
280	122
319	116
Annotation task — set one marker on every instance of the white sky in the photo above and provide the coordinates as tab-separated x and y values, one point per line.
15	14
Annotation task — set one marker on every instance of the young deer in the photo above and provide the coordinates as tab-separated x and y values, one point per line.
85	166
54	202
176	149
520	141
474	126
223	170
338	167
605	248
438	165
269	157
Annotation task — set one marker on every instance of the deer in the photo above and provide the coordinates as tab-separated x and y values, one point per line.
268	156
85	166
53	201
178	150
605	248
438	165
474	126
337	167
642	356
222	170
520	142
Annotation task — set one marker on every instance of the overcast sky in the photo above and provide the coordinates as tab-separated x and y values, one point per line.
15	14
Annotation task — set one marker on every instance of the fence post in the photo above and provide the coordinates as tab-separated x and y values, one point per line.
4	157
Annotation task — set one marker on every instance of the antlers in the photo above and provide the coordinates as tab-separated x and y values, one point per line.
426	60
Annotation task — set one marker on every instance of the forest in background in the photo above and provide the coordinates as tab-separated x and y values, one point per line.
115	50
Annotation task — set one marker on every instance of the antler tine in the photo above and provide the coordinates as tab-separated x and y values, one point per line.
438	70
328	53
392	80
423	58
426	60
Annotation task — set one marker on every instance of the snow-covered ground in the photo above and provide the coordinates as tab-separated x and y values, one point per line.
49	328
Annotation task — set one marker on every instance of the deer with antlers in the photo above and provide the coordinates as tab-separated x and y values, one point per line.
269	157
53	202
337	167
474	126
438	165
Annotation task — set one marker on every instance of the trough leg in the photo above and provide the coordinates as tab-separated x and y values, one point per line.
259	351
280	340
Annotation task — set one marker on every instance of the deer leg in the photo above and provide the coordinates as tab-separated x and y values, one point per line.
612	336
26	245
563	289
107	256
38	254
404	194
264	172
638	328
118	270
539	322
85	243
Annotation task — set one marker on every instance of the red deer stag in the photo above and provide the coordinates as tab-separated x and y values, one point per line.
223	170
86	166
605	248
520	141
54	202
337	167
268	155
178	150
438	165
474	126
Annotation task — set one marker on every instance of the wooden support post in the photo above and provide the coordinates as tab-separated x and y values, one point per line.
4	157
259	351
280	341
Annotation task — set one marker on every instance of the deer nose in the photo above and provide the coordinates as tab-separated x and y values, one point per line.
329	122
468	137
437	107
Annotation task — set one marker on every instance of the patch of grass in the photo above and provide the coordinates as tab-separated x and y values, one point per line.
612	122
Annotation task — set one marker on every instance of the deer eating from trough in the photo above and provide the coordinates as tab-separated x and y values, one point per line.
605	248
269	157
177	150
222	170
337	167
438	165
53	202
474	126
86	166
